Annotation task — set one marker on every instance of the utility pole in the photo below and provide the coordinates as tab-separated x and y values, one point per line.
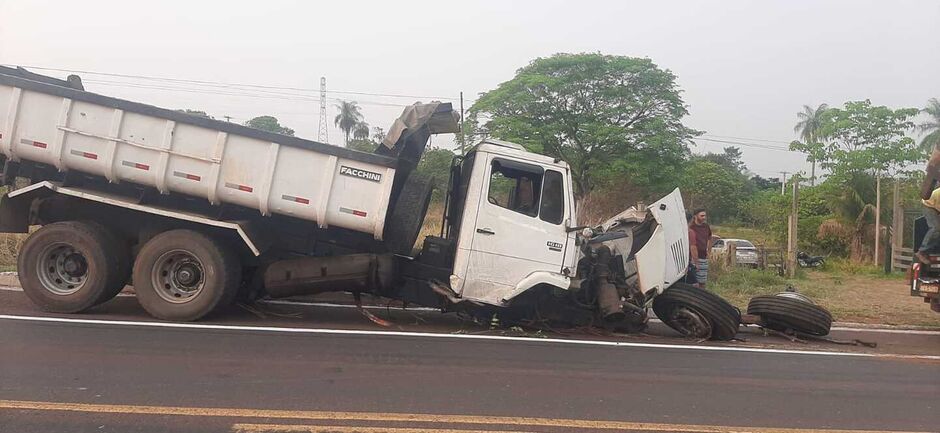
877	217
783	183
323	135
463	135
791	232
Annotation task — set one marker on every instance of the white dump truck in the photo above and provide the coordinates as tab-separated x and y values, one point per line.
196	212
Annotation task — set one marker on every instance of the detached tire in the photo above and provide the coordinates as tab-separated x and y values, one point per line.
70	266
183	275
697	313
784	313
404	223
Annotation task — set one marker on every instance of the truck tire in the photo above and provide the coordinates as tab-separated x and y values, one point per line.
183	275
784	313
404	223
697	313
119	252
70	266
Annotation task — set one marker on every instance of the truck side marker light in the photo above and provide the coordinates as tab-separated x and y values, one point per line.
300	200
38	144
136	165
88	155
187	176
357	213
245	188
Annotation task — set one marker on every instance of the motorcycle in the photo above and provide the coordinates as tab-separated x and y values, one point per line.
807	261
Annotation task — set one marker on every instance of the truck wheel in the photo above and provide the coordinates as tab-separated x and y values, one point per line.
70	266
697	313
183	275
782	313
404	223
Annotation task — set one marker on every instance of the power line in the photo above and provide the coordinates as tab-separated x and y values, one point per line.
740	143
235	85
746	138
264	95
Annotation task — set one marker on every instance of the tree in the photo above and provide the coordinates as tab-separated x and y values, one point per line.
378	134
592	111
862	138
715	187
435	164
361	131
730	158
766	183
931	126
362	145
270	124
349	116
807	127
197	113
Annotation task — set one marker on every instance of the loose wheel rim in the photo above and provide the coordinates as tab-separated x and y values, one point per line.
178	276
62	269
690	322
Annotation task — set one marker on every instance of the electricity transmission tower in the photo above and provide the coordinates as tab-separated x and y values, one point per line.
323	135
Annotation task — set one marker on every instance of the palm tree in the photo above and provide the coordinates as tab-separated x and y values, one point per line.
349	116
931	127
808	128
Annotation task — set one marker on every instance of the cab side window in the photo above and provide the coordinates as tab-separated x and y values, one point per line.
515	186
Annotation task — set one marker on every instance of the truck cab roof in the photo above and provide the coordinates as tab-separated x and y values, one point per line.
500	147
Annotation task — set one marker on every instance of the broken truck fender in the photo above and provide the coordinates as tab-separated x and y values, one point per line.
537	278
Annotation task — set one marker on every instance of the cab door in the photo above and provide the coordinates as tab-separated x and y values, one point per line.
519	228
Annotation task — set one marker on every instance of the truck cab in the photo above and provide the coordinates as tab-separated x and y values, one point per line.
512	220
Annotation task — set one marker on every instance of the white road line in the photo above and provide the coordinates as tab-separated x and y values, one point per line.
453	336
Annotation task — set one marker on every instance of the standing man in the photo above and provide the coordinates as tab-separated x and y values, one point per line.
703	236
690	273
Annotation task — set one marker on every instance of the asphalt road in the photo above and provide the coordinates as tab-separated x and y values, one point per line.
119	376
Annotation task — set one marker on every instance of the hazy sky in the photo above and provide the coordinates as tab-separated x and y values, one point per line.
746	67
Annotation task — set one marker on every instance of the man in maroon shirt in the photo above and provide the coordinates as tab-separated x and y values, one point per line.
703	236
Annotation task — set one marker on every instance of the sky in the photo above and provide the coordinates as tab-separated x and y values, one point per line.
745	67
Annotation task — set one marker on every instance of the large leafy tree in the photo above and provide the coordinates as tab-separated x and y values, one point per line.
270	124
348	118
592	111
930	127
718	188
863	138
807	126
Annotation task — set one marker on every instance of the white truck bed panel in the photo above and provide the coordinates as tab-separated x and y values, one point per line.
180	154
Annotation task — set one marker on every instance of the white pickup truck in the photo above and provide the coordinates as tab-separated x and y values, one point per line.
195	212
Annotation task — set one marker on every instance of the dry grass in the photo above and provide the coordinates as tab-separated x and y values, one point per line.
852	293
10	244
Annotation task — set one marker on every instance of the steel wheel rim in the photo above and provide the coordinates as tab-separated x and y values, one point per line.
690	322
62	269
178	276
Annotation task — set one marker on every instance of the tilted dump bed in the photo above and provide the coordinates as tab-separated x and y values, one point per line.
177	153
